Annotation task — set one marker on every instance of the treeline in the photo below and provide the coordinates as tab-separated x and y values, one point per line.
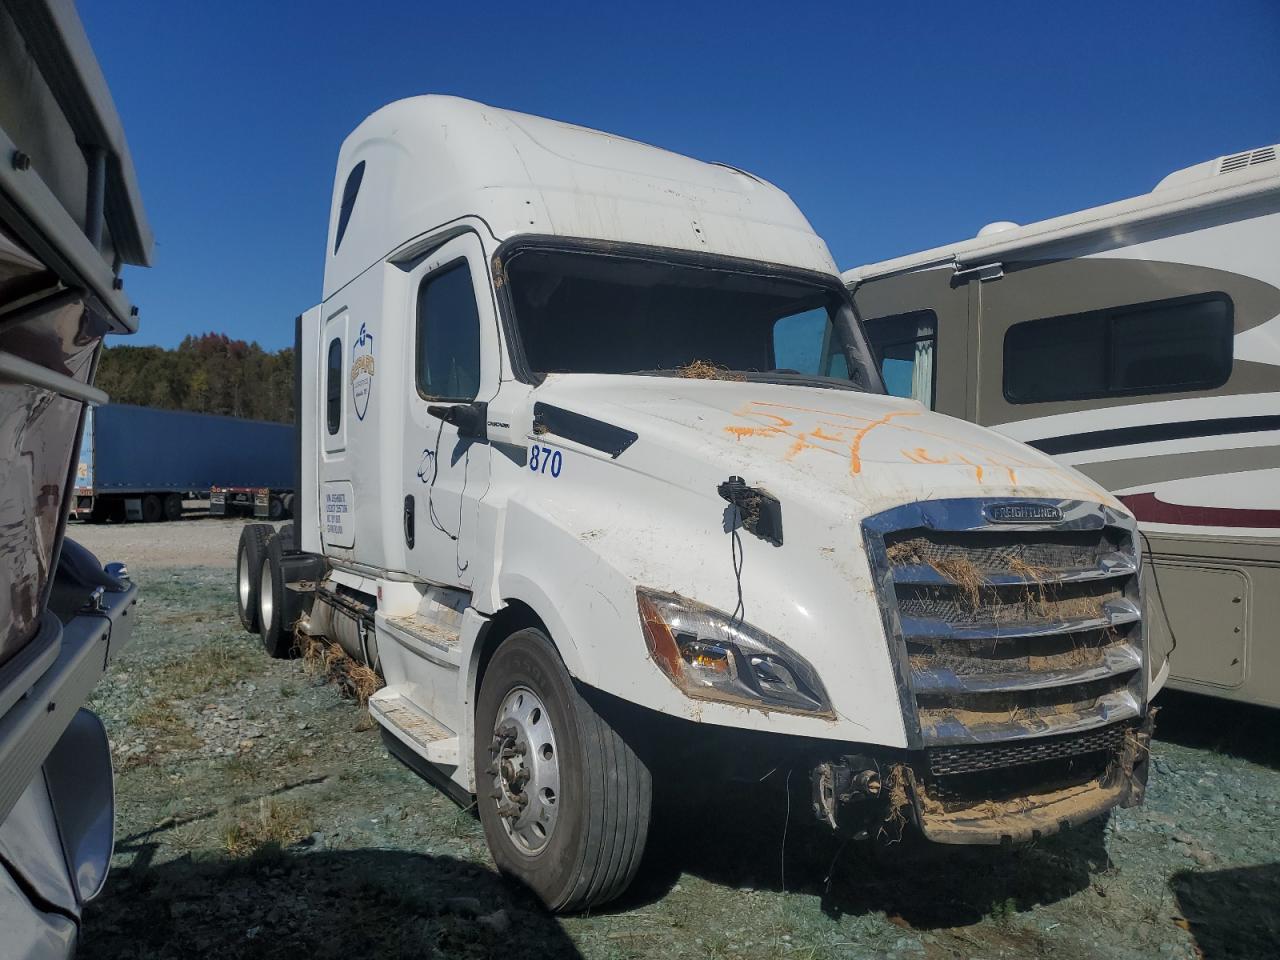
207	374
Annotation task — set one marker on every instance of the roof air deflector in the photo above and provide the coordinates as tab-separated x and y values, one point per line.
348	202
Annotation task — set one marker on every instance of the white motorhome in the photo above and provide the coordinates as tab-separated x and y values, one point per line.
1138	342
597	471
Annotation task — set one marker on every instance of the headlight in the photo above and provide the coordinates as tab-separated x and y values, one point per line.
712	656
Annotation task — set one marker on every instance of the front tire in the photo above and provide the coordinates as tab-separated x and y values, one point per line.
581	845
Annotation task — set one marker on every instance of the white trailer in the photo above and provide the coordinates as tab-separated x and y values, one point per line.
597	470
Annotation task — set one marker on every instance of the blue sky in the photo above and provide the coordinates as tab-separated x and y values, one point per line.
894	126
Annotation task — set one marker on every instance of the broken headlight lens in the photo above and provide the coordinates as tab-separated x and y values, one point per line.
711	655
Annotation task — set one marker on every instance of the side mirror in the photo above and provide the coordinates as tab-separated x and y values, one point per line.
471	419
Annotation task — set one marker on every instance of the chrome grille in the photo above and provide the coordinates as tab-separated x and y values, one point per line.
1003	631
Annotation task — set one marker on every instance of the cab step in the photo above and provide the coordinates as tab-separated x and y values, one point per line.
425	636
392	708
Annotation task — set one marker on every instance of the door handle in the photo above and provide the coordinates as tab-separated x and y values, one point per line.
408	520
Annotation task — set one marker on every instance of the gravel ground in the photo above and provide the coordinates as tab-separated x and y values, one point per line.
259	816
198	540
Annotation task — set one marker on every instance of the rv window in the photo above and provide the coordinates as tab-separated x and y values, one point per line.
904	345
1161	347
333	387
349	192
448	362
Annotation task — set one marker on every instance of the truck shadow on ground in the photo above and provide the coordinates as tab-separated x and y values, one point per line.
1209	723
317	905
1231	913
752	843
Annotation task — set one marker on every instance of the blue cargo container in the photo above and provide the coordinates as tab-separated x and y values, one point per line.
138	463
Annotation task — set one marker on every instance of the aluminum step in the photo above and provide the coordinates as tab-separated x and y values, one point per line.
414	727
430	639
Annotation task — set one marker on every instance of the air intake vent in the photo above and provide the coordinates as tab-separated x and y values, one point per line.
1238	161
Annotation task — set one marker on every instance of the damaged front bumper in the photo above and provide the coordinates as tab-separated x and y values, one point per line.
996	794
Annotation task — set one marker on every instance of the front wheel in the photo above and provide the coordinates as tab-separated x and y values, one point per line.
563	798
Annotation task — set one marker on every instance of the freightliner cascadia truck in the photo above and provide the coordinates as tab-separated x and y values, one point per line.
597	470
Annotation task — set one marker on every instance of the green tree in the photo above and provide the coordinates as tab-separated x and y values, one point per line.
209	373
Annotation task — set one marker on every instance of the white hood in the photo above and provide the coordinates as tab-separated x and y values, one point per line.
867	451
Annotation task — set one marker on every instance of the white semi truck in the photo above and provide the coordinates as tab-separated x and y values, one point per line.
597	471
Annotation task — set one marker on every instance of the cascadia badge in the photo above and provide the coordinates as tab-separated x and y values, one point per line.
1022	513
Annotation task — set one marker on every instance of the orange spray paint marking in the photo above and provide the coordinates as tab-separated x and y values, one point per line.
920	455
802	442
855	448
977	467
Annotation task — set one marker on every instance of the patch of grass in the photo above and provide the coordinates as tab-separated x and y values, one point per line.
243	768
206	668
1003	910
275	824
163	727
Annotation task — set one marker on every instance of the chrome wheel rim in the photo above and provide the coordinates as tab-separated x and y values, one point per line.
264	597
243	582
525	770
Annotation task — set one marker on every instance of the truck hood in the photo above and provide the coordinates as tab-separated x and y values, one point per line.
857	452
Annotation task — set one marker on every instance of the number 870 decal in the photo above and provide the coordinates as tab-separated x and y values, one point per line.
544	460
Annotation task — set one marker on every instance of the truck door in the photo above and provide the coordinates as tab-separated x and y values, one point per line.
452	357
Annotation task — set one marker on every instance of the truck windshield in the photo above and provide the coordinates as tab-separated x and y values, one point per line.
588	312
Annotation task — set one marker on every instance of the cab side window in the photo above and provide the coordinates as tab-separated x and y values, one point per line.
448	347
333	387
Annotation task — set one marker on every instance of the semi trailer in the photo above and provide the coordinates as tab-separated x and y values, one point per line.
1138	343
597	470
140	463
70	216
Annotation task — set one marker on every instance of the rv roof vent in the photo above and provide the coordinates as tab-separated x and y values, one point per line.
1238	161
1210	168
997	226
